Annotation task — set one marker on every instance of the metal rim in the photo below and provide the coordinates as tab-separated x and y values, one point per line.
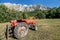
22	31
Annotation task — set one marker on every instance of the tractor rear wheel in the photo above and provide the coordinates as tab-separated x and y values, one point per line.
21	30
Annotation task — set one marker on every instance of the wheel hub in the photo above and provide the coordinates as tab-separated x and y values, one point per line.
22	31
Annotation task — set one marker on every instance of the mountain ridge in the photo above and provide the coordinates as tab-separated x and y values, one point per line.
20	7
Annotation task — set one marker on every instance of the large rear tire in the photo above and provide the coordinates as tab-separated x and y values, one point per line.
21	30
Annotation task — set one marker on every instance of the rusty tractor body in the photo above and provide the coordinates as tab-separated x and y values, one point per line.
19	28
27	21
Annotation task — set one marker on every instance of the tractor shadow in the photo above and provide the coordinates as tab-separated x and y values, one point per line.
31	29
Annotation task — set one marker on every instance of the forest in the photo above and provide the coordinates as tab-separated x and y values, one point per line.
7	14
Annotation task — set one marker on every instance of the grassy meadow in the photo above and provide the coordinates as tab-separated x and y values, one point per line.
48	29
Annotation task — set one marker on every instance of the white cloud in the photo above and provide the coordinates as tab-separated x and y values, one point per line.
25	5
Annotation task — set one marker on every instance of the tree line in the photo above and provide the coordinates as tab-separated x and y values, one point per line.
7	14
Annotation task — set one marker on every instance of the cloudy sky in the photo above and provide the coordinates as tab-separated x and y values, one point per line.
48	3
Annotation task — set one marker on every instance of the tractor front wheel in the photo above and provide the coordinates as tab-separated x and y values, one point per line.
21	30
33	27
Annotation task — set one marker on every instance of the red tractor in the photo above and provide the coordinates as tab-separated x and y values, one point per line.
19	28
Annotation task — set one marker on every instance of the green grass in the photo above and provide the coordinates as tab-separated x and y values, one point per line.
48	29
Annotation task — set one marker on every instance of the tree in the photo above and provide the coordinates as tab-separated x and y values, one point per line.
25	15
51	13
40	15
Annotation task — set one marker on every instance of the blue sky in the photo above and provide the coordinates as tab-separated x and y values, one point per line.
48	3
